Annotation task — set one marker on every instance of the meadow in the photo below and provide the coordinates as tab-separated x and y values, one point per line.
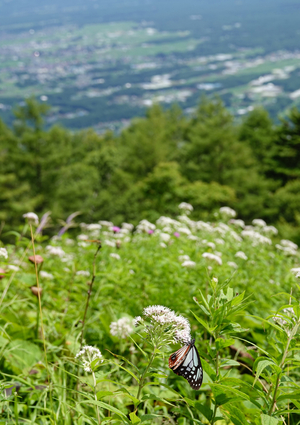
79	346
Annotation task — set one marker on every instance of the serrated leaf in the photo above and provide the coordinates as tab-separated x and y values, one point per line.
205	410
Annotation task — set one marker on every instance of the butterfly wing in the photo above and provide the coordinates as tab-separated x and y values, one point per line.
186	362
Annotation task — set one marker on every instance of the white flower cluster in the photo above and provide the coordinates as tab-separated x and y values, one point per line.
242	255
3	253
87	355
227	212
237	222
188	263
256	237
144	226
83	273
46	275
55	250
164	318
285	319
288	247
31	218
185	207
212	257
115	256
122	327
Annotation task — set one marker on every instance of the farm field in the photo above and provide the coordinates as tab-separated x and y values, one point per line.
236	287
104	71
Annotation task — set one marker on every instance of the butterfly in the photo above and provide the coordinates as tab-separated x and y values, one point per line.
186	362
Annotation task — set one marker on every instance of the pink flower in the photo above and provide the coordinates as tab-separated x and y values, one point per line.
177	234
150	231
116	229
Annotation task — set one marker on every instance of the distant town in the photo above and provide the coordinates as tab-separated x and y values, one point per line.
104	74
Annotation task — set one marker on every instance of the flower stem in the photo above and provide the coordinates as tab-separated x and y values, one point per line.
142	379
293	332
95	395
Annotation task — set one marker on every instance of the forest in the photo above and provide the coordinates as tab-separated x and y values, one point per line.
207	159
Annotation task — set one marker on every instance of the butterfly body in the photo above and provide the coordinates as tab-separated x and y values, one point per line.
186	362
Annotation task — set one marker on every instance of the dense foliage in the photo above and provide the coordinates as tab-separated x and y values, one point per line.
235	285
155	163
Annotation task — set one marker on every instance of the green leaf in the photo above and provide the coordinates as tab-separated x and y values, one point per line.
133	418
204	324
229	363
289	396
236	416
222	343
268	420
209	370
237	300
101	394
205	410
107	407
260	365
22	355
229	294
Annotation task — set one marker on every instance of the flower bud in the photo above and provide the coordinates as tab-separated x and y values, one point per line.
38	259
36	291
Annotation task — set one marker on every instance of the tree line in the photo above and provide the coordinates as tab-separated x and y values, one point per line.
206	159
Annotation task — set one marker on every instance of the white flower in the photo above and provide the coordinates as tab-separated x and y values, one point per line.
163	245
144	226
82	237
237	222
87	356
256	237
187	208
114	255
227	211
55	250
271	230
295	270
106	223
288	250
289	244
32	218
137	321
232	264
110	243
3	253
83	273
163	318
188	263
211	245
165	237
46	275
122	327
259	222
219	241
242	255
69	242
13	268
128	226
92	227
182	258
201	225
184	230
212	257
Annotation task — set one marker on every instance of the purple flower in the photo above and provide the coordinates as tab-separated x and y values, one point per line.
177	234
116	229
150	231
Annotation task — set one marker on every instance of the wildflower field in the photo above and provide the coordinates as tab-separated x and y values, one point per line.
89	320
